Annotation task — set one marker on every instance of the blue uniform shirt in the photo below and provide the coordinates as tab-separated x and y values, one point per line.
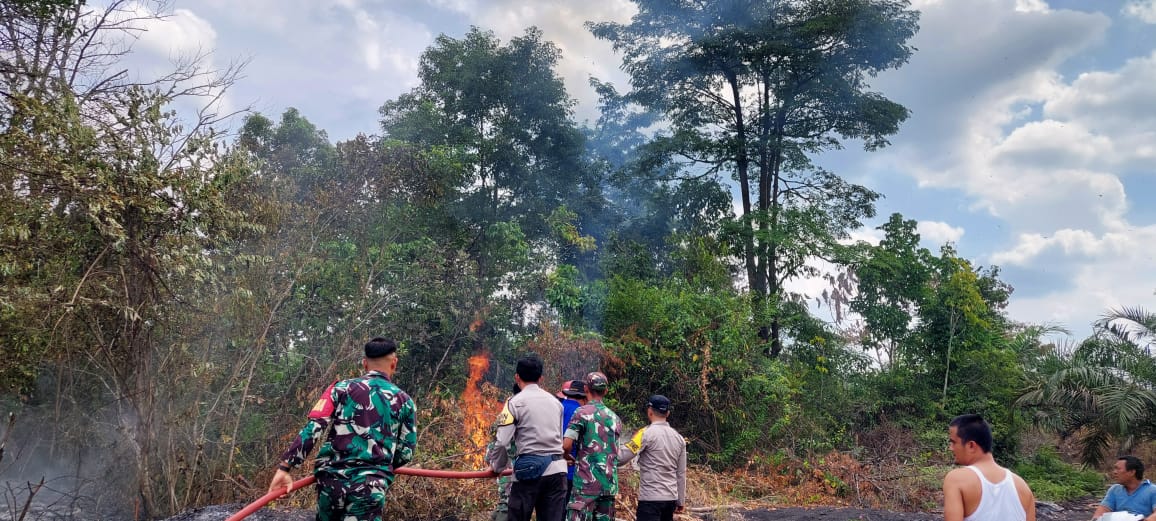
568	408
1141	501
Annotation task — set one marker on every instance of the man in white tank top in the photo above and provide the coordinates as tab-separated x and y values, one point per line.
983	490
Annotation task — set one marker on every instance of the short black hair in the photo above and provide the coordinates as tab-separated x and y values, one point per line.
1134	464
529	368
379	347
972	427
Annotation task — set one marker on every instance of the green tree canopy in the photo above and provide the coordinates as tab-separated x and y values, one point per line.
751	89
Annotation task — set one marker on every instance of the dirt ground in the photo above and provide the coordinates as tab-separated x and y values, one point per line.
1080	510
222	512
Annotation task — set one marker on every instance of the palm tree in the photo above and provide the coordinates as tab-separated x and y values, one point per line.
1102	390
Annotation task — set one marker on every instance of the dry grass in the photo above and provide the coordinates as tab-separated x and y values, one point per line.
833	479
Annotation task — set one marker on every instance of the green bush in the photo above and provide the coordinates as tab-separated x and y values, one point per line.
1054	480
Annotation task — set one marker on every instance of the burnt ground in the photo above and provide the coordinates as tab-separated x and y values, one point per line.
1079	510
222	512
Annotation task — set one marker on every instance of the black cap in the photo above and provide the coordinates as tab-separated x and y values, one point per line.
379	347
574	389
659	403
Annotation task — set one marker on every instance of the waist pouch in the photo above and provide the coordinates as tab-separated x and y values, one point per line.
531	466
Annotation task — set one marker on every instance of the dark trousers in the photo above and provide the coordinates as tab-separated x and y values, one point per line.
546	495
656	510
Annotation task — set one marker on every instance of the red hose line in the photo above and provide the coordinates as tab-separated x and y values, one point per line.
428	473
264	500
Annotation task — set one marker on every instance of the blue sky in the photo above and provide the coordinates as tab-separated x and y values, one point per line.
1031	145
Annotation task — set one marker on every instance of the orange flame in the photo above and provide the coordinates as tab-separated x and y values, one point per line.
480	411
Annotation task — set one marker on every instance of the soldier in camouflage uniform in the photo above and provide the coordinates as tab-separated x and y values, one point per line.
594	430
502	509
367	428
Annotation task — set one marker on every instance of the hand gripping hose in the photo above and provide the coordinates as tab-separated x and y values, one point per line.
429	473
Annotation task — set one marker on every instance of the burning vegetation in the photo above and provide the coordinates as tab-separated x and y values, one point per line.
479	407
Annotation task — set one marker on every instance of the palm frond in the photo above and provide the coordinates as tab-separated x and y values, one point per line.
1131	324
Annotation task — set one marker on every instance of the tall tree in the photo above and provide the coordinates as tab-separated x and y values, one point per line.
505	112
121	215
753	88
892	281
109	202
50	49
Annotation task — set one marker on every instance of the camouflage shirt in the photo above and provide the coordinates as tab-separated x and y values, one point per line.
372	431
595	429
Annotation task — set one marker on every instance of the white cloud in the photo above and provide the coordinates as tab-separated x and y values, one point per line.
167	35
1054	144
1145	10
1044	153
871	236
1067	241
1030	6
274	17
938	232
563	22
180	34
370	46
1110	101
157	43
336	61
457	6
1117	273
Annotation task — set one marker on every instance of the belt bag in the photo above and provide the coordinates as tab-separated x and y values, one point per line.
531	466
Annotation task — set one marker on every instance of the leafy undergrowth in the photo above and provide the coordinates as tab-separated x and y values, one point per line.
1054	480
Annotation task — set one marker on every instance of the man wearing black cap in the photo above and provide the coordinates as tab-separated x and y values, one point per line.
573	396
532	421
661	455
367	426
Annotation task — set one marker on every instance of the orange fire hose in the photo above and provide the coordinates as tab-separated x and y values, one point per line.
429	473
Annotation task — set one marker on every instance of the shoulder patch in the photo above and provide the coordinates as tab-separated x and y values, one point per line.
635	443
324	406
505	417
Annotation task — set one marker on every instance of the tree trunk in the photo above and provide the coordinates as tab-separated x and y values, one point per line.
742	164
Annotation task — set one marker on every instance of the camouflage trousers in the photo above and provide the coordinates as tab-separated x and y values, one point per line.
502	509
590	508
361	499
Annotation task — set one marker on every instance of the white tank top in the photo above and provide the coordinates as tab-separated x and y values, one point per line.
998	501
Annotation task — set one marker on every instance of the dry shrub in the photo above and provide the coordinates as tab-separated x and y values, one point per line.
443	444
834	479
888	444
565	356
